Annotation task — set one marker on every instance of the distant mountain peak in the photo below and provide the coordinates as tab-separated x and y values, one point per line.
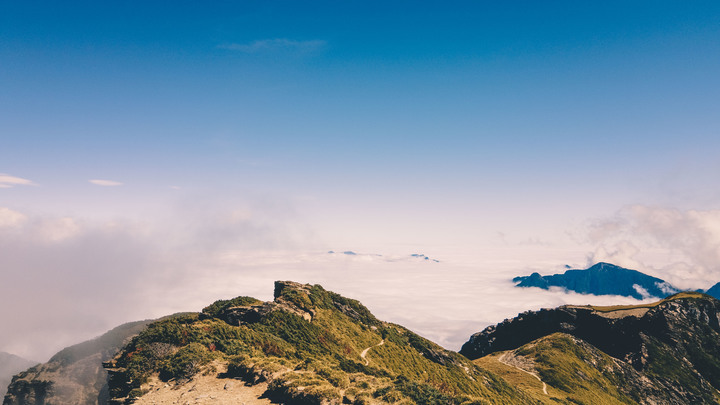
413	256
602	279
605	266
714	291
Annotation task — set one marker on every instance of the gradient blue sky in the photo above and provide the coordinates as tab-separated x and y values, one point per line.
588	127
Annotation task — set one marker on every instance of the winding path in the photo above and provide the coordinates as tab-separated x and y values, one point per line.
501	359
364	352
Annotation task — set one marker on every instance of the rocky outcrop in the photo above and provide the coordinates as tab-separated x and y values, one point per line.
248	314
10	365
74	375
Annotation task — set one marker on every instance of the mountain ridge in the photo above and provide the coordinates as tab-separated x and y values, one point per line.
602	279
312	346
671	344
10	365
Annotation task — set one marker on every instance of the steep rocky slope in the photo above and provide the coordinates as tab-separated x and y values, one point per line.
667	352
9	366
74	375
308	346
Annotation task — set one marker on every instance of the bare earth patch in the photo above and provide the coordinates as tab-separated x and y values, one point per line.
204	389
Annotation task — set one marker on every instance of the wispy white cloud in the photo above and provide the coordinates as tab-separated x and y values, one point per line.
687	243
277	44
105	183
122	270
10	218
7	181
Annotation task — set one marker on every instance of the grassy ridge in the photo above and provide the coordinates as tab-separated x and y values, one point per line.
575	372
309	361
611	308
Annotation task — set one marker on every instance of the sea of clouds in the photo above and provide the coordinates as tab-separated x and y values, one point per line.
66	279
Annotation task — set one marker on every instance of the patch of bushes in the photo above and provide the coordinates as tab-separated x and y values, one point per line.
137	392
308	338
388	394
351	366
217	307
303	389
255	370
184	364
173	330
321	298
335	377
422	394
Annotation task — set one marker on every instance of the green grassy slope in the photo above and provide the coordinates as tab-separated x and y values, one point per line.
574	371
308	346
675	357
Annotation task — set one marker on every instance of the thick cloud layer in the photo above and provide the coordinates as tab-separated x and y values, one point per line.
66	280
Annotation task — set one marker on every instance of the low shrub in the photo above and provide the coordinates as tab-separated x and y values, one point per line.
184	364
214	309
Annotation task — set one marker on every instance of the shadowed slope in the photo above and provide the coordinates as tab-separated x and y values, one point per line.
666	352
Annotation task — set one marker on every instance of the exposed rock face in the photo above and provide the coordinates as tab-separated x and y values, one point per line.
74	375
615	336
9	366
237	315
673	344
602	279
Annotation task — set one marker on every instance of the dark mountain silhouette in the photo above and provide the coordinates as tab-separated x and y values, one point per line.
602	279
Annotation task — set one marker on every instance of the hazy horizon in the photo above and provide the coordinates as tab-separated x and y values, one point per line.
158	156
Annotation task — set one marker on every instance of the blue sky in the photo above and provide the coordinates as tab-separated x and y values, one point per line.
383	97
587	128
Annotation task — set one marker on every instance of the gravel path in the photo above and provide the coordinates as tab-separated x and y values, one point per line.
364	352
502	360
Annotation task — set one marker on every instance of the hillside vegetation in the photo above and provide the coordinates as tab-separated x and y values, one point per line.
315	347
665	352
310	346
74	375
9	365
